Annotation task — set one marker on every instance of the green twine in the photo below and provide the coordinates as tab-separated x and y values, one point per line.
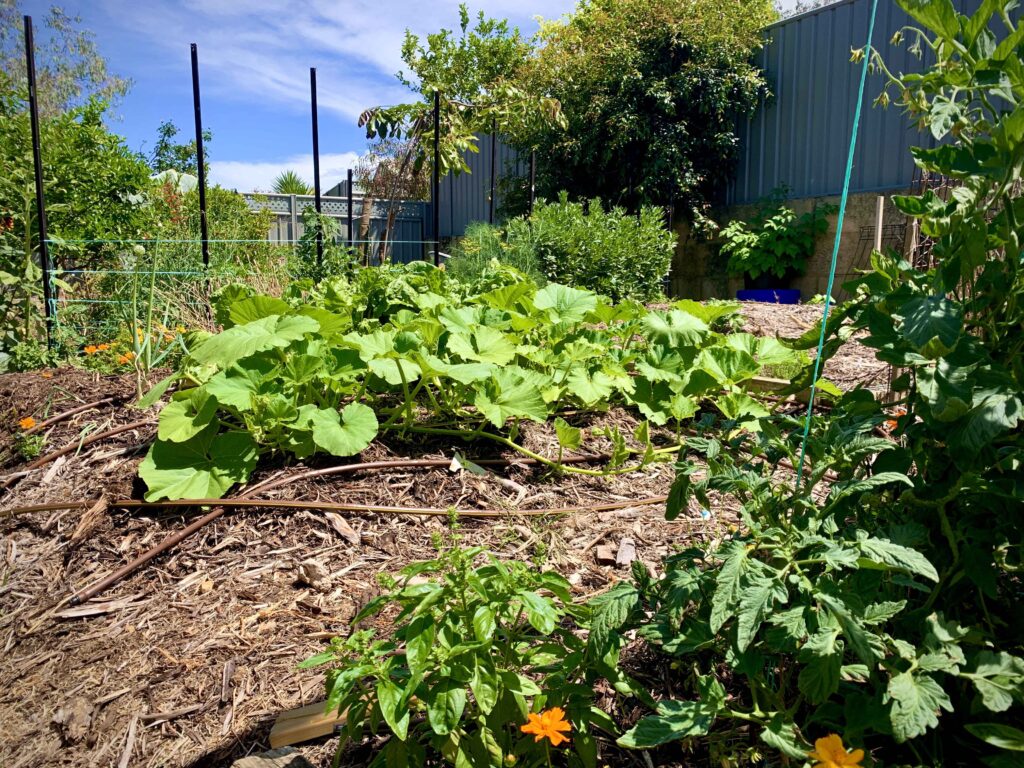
835	246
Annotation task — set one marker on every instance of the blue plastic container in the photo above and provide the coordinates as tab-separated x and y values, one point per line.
770	295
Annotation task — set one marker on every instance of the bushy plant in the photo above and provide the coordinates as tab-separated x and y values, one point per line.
885	605
480	650
484	245
776	242
334	258
612	252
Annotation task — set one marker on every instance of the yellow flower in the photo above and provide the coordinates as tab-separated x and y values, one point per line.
830	753
549	724
180	329
27	423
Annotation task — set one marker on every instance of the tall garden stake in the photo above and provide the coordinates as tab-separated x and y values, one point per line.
37	158
200	158
533	179
435	187
316	172
494	162
351	239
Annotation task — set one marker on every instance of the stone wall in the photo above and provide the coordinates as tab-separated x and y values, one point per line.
698	269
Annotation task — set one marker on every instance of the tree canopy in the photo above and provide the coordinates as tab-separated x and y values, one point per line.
650	90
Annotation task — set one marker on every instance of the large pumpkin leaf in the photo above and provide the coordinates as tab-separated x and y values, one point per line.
511	393
260	335
345	433
565	304
204	467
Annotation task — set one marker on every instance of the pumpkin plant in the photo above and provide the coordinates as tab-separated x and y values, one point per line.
408	351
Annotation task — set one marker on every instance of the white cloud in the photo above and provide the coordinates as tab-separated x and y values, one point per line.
259	176
262	49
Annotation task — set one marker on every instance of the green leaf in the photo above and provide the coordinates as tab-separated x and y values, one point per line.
609	612
727	365
756	599
885	552
484	623
187	415
256	308
730	576
484	685
783	736
204	467
509	393
938	15
235	386
819	678
483	345
241	341
998	735
916	701
674	329
540	611
446	702
564	304
347	433
158	390
868	646
569	437
675	720
393	707
931	324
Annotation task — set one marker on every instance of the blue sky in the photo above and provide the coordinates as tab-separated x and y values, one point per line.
254	59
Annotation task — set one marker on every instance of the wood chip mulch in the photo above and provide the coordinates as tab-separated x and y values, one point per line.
188	661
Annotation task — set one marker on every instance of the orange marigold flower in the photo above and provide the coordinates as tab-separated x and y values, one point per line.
91	349
830	753
27	423
127	357
103	347
549	724
47	374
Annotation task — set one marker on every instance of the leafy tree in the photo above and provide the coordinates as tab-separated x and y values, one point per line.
474	73
650	91
168	154
95	190
69	67
290	183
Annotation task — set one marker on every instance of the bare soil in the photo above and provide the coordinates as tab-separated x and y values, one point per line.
188	661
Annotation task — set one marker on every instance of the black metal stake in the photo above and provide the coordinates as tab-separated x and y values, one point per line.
351	239
200	157
435	189
494	161
316	171
533	179
37	158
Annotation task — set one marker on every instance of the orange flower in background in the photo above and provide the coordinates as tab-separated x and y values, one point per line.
168	337
126	358
549	724
47	374
830	753
27	423
103	347
91	349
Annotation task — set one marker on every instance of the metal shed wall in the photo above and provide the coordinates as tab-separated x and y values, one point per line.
800	136
464	197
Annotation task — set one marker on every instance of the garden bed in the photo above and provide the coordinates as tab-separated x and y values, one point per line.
189	660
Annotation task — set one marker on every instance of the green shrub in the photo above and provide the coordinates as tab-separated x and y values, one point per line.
476	650
776	242
483	245
611	252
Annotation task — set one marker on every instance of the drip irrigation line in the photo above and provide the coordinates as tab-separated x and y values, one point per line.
73	412
835	245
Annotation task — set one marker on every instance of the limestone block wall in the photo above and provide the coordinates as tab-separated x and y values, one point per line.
698	269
